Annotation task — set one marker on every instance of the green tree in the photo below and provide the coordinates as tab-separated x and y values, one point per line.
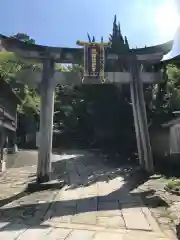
119	44
10	65
24	37
168	94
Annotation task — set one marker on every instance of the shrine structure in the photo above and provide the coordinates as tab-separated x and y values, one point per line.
96	58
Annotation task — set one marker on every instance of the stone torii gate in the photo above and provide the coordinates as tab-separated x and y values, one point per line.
48	79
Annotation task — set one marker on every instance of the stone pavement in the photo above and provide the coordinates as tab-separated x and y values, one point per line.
97	202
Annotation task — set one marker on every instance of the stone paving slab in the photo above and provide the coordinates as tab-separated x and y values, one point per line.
134	218
85	218
96	203
70	234
107	236
109	209
58	233
81	234
111	222
12	231
15	181
34	234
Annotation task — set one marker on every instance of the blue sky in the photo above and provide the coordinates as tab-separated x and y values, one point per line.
62	22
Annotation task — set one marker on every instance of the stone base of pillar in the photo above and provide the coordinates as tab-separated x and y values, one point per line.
43	178
42	186
3	161
3	166
14	149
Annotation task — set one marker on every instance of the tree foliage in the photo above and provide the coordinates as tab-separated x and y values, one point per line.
10	64
105	111
24	37
97	112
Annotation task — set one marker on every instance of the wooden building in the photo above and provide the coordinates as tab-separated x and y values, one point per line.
165	141
8	118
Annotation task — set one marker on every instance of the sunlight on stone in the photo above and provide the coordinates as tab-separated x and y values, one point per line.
65	156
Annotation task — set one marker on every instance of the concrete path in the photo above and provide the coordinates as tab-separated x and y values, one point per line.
97	202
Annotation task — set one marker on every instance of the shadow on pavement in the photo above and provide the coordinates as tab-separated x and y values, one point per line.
81	166
12	198
35	214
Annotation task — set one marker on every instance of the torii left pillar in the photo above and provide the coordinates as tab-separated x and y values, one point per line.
46	122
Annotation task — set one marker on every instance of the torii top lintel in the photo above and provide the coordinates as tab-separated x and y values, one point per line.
75	55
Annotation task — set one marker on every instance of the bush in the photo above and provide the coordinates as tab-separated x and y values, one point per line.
173	186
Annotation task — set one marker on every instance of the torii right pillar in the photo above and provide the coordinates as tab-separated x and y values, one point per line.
140	120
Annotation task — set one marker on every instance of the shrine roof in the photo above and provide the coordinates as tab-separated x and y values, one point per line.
9	42
164	47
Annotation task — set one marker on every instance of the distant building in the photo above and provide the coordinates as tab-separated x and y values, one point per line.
165	141
8	118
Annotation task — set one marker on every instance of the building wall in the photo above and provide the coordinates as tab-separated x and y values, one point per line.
8	106
160	143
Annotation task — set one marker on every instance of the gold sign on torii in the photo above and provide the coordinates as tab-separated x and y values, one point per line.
94	58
